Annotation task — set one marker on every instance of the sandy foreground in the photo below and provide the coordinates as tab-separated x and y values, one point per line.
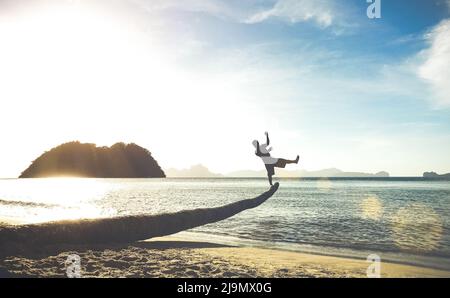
175	257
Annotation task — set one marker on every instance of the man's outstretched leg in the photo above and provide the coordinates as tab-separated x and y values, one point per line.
282	162
294	160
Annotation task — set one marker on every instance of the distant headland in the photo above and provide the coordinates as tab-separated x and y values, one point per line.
87	160
434	175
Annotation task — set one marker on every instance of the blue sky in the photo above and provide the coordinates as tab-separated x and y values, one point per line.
340	89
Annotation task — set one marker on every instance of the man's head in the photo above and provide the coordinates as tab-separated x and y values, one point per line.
255	143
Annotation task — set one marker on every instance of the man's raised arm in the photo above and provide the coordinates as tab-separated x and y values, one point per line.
258	152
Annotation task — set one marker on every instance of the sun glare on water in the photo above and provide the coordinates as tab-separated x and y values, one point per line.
50	199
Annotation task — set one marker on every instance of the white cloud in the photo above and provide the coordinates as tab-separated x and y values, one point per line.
322	12
216	8
294	11
436	66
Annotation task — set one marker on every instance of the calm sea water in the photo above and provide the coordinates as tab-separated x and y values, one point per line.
404	221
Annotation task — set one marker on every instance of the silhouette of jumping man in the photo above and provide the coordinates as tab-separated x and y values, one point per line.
270	162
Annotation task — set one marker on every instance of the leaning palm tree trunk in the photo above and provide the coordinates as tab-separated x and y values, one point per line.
125	228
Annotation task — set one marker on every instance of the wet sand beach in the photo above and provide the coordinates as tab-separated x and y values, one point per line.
172	256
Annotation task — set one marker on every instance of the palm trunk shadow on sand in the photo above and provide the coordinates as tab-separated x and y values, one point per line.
122	229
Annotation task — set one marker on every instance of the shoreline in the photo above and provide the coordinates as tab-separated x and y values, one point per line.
423	261
176	256
234	252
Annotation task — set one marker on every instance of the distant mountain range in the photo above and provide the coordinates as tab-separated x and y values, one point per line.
203	172
194	171
331	172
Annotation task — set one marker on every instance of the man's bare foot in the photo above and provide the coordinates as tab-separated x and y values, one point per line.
297	159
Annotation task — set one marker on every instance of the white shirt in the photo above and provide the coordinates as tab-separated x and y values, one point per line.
268	160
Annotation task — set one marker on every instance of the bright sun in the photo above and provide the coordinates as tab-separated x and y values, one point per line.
73	58
75	73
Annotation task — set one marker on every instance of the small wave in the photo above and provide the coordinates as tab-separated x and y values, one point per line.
26	204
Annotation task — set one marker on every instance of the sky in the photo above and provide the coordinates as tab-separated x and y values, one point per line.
197	81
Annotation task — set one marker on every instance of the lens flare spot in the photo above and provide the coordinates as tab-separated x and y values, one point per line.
371	208
324	184
417	228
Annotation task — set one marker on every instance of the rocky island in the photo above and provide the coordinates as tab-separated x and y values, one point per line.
434	175
87	160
